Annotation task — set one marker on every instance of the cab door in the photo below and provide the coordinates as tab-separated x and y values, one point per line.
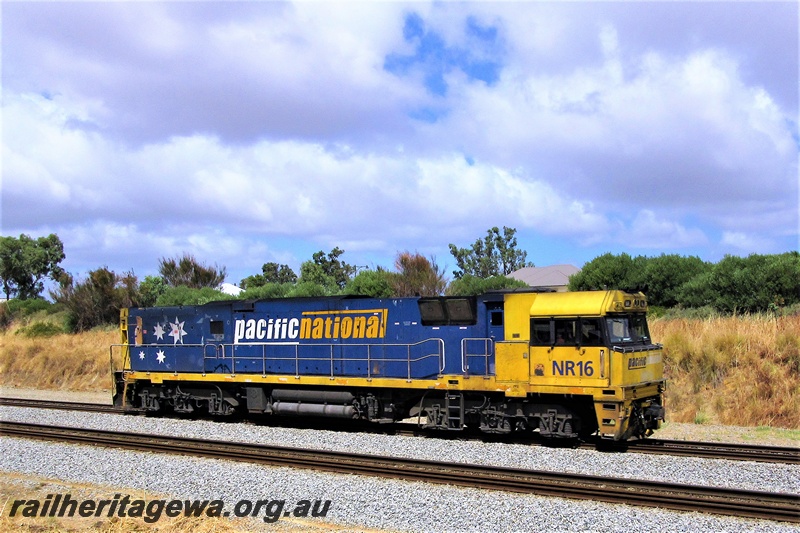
495	327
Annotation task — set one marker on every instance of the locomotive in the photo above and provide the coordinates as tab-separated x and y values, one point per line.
564	365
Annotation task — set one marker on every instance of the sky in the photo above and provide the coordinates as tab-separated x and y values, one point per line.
251	132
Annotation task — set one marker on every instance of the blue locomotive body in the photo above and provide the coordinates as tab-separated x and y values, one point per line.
409	338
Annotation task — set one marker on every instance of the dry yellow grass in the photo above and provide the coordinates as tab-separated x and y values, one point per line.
741	371
62	362
732	370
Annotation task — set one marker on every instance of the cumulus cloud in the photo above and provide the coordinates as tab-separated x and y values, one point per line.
253	132
650	231
269	188
300	70
682	126
683	133
749	242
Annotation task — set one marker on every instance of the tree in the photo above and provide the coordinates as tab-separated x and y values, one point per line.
469	285
151	289
97	299
698	292
309	289
275	273
270	273
607	271
373	283
417	276
494	255
783	278
755	283
188	272
662	277
746	284
327	271
269	290
25	262
184	295
735	284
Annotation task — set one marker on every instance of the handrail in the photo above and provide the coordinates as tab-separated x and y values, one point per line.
228	351
488	351
636	348
369	359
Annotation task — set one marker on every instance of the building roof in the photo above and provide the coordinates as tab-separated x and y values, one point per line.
549	276
230	288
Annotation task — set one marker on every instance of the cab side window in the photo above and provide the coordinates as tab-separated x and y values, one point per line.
567	331
591	332
540	332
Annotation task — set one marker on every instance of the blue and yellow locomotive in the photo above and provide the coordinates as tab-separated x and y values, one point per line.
565	365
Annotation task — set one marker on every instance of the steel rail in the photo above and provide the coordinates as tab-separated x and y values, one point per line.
732	502
67	406
704	450
717	450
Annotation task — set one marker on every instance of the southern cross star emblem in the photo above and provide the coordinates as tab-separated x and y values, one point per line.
177	332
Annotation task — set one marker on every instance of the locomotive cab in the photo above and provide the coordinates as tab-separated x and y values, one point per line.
598	344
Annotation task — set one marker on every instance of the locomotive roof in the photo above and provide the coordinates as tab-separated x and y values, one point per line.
588	303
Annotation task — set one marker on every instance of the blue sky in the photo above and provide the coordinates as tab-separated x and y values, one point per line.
250	132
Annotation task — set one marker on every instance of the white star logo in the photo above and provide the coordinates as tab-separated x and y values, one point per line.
141	354
177	332
159	332
160	356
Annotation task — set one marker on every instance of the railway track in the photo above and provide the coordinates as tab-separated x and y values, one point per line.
731	502
717	450
67	406
704	450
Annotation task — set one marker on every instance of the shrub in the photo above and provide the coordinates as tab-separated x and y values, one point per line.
417	276
97	299
41	329
25	308
183	295
469	285
308	289
373	283
268	290
187	271
5	316
151	289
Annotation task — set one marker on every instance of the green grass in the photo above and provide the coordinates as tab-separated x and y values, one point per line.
40	329
766	431
701	418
